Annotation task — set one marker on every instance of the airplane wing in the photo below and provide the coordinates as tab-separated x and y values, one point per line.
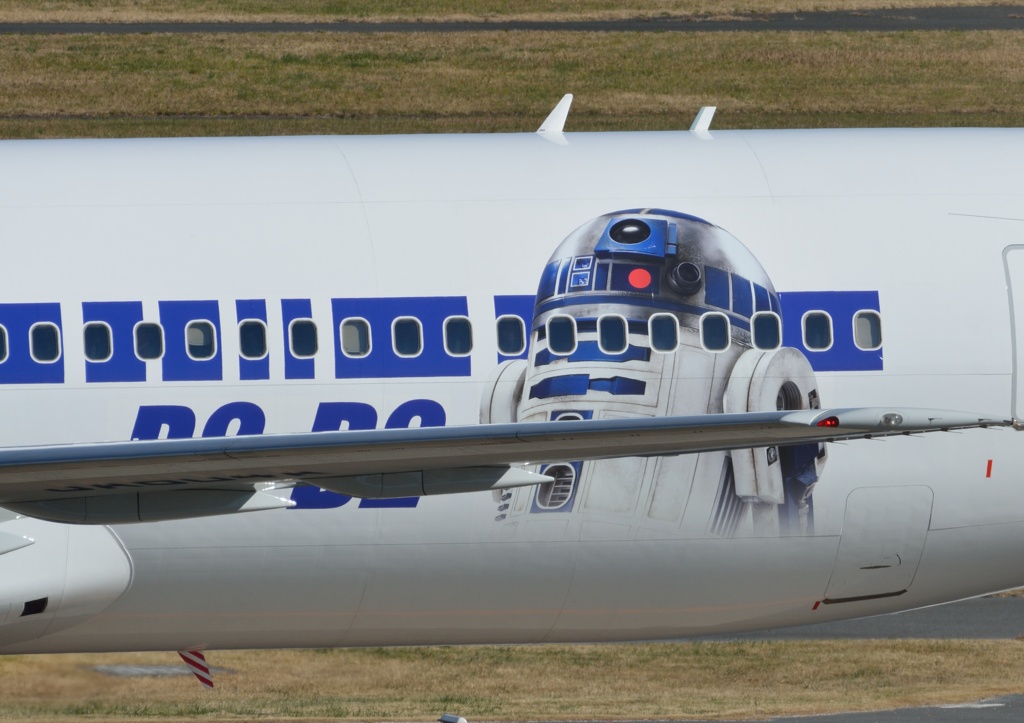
170	479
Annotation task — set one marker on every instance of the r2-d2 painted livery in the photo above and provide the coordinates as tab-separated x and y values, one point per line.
646	313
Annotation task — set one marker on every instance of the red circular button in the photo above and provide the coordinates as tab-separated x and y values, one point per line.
639	278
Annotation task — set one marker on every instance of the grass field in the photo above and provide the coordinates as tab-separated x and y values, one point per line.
648	681
299	10
144	85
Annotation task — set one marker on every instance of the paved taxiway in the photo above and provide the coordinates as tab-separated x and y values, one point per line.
995	710
994	17
985	618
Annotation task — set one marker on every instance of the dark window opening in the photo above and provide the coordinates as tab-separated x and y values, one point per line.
407	336
252	339
511	335
562	334
44	343
612	335
98	345
817	331
458	336
664	330
766	331
714	332
149	341
303	339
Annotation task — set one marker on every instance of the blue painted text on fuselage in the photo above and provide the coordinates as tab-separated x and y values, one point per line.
171	421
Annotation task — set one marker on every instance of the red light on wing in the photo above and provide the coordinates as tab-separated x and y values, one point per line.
829	422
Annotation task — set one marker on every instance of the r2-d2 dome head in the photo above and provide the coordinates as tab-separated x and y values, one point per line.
643	262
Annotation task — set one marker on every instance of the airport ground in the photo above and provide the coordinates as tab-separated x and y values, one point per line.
163	84
951	655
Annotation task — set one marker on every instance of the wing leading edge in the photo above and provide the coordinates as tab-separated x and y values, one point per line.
132	481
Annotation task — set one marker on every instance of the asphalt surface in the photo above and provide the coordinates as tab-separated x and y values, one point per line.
983	618
995	17
986	618
995	710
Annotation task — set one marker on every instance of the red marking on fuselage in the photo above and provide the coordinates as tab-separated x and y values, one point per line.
816	605
639	278
988	472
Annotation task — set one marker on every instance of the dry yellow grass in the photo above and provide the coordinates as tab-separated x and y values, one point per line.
300	83
649	681
377	10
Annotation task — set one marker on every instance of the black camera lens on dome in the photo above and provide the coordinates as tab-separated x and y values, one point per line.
685	278
629	231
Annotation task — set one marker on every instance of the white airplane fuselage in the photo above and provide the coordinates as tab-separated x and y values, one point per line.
918	227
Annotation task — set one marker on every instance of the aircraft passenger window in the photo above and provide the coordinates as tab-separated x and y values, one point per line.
302	338
44	342
407	336
766	331
355	338
200	340
867	330
714	332
458	336
511	335
817	331
98	346
149	341
252	339
3	344
612	336
664	331
562	334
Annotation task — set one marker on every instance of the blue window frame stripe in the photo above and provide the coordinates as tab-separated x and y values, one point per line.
521	306
252	369
297	367
177	365
382	361
841	306
20	367
121	317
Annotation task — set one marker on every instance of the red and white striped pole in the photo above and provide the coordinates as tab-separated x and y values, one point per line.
196	662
